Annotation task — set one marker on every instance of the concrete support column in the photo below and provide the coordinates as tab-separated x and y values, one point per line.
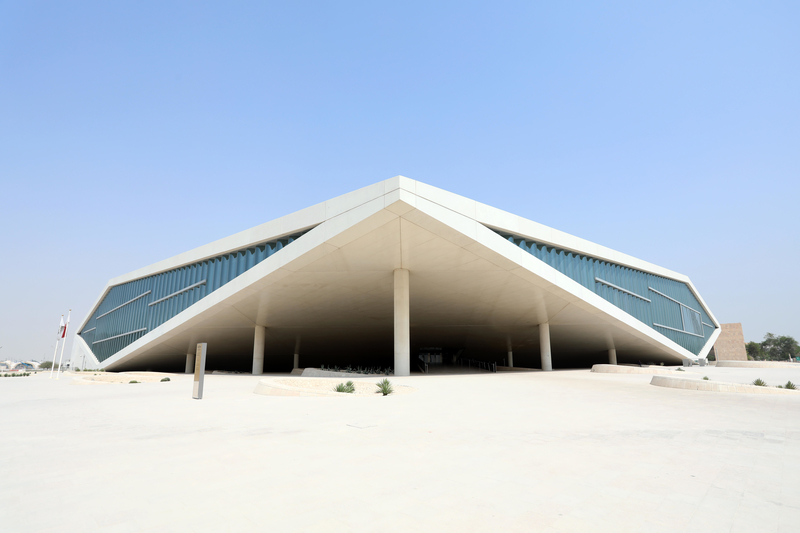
402	324
544	346
510	352
612	356
297	352
259	345
190	363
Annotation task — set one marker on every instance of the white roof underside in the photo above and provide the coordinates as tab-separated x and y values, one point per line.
469	286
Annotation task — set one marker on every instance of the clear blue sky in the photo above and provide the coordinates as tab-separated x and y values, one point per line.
133	131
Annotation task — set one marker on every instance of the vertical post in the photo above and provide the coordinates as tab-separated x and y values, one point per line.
63	343
612	356
190	363
297	352
52	368
199	371
510	351
259	344
402	324
544	346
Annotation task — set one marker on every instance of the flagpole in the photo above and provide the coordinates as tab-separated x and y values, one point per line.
63	343
54	360
54	354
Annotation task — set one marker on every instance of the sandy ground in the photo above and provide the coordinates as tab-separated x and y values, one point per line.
80	378
773	376
364	386
539	451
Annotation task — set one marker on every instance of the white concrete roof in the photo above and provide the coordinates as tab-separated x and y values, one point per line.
445	241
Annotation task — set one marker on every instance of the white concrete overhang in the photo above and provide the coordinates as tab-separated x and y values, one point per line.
464	276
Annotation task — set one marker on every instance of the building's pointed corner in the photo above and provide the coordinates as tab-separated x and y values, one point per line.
400	201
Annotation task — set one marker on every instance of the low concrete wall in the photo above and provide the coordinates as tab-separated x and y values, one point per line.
716	386
619	369
271	387
758	364
317	373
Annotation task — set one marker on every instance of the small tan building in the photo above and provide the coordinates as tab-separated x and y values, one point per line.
730	344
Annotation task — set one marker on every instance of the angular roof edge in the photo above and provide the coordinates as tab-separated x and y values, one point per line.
310	217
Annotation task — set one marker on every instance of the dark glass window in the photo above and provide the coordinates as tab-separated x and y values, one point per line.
691	321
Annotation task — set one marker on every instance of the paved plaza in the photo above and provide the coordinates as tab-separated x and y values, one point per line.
558	451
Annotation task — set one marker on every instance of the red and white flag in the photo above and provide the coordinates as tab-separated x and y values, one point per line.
64	333
62	329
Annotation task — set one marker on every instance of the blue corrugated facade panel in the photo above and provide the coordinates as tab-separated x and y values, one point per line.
132	309
666	305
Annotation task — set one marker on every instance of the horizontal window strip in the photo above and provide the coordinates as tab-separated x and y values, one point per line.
167	297
709	325
678	330
87	330
626	291
120	335
126	303
673	299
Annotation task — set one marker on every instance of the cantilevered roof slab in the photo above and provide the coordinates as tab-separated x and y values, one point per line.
470	288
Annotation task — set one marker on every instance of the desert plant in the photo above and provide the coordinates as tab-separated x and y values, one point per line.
384	387
348	387
133	381
758	382
164	379
705	378
681	370
790	385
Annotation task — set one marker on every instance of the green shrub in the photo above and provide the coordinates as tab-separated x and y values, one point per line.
705	378
681	370
384	387
758	382
164	379
345	387
790	385
133	381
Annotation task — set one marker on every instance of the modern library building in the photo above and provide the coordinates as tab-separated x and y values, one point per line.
397	274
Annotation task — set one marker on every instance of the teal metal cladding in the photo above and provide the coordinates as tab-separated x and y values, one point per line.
666	305
132	309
